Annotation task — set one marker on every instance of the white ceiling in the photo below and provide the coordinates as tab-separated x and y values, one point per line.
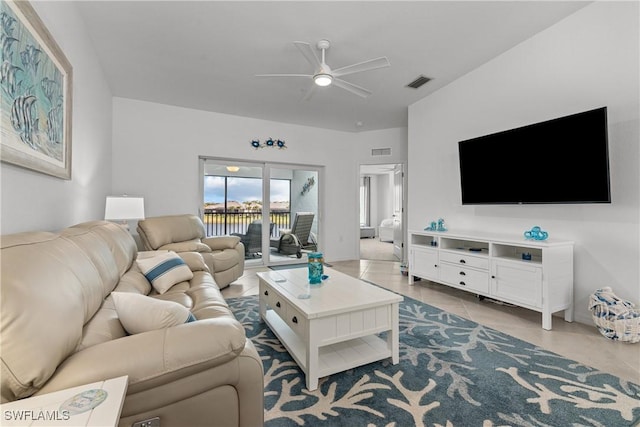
205	54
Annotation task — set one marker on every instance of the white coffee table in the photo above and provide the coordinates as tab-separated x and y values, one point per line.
334	330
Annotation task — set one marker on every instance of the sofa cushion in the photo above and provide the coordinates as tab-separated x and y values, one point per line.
111	249
224	260
104	326
47	281
140	313
194	260
159	231
164	270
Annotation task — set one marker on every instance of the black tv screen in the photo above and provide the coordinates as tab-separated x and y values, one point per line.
564	160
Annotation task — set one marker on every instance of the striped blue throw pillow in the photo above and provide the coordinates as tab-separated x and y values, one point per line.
164	270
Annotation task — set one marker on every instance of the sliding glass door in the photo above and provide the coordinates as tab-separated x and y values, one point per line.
295	221
232	204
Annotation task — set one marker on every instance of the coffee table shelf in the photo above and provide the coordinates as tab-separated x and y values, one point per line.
332	358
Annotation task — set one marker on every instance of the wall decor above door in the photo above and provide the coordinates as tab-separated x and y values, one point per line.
268	143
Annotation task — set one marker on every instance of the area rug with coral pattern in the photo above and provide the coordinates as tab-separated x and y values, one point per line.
452	372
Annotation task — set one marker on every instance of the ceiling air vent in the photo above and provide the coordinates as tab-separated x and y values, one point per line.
418	82
381	151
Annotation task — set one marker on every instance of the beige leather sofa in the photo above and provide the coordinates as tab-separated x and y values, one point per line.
60	328
224	255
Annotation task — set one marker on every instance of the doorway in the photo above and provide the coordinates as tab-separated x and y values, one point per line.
232	194
381	212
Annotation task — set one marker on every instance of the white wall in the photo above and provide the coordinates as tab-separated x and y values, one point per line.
34	201
156	149
588	60
307	202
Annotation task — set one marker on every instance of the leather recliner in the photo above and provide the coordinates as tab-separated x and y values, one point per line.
224	255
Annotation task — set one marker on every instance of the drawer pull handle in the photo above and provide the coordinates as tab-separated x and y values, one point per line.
493	277
278	304
463	261
463	284
435	265
295	319
462	273
266	293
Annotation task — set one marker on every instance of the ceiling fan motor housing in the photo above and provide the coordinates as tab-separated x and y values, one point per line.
323	77
323	44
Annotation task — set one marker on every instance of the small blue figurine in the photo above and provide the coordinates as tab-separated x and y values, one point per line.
441	226
536	233
432	227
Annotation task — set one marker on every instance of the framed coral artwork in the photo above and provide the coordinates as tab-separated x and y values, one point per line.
35	94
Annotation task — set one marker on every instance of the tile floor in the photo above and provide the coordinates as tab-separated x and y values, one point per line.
576	341
374	249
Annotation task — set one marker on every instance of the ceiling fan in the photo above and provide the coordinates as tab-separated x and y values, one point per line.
323	75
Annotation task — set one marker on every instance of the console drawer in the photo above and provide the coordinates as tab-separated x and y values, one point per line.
467	278
296	321
457	257
277	303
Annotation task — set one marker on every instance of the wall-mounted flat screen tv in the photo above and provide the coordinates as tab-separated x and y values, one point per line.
564	160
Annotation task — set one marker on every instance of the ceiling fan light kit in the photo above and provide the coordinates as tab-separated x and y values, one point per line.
324	76
322	79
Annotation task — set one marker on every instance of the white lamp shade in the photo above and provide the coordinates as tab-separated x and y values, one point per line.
124	208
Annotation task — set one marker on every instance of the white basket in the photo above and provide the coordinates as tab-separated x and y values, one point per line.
614	317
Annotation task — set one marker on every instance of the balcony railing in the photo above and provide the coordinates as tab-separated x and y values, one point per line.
223	223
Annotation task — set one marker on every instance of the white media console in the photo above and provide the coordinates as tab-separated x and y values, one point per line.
498	267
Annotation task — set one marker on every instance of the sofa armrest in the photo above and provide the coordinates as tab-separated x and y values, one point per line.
218	243
154	358
190	246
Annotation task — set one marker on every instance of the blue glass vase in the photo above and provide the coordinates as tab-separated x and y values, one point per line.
315	262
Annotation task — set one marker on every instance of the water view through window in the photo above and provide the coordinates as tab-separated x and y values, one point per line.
232	203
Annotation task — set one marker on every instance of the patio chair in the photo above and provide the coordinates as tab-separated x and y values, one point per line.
252	239
297	239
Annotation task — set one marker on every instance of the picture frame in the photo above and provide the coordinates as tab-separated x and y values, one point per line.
35	94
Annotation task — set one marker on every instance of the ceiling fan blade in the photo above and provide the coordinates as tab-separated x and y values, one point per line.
310	92
307	51
371	64
284	75
360	91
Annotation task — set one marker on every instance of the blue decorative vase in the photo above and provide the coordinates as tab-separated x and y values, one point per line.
315	262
